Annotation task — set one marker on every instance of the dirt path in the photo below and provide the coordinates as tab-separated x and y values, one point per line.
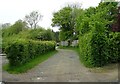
64	67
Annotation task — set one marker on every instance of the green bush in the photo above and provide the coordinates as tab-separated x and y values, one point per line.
98	45
96	49
34	34
22	51
85	49
41	34
114	47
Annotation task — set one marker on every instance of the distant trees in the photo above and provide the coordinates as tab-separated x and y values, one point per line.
66	18
42	34
14	29
5	25
62	19
33	18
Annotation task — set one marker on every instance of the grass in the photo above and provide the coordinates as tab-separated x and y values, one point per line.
24	68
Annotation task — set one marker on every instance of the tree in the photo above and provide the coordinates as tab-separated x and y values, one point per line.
62	18
56	35
41	34
17	27
33	18
76	12
66	19
5	25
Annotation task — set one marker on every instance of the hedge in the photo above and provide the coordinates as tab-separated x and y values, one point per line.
114	47
98	44
85	49
22	51
99	48
96	49
93	48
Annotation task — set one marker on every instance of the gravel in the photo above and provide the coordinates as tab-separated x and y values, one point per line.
64	66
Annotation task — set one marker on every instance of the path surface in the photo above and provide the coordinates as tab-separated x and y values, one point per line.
63	67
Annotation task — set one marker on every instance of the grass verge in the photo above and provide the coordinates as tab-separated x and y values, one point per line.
24	68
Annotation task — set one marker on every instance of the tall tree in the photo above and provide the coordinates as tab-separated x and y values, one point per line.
62	18
33	18
66	19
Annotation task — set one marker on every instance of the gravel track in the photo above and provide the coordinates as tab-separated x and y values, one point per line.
64	66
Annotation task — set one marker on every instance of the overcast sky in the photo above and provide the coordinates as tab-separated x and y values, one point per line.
13	10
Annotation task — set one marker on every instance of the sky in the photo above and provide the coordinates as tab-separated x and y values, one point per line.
13	10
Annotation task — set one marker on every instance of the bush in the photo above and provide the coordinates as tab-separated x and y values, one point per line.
22	51
98	45
85	49
96	49
114	47
34	34
41	34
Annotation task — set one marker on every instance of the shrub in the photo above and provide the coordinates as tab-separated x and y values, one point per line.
41	34
96	49
22	51
34	34
98	45
114	47
85	49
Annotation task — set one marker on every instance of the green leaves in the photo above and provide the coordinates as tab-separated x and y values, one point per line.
62	17
98	45
14	29
41	34
22	51
66	19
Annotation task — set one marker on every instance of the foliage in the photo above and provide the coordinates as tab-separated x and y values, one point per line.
42	34
22	51
5	25
34	34
62	18
62	36
66	20
14	29
10	33
65	35
56	35
85	49
114	47
29	65
98	45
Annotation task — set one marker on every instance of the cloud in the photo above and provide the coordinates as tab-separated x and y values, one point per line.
13	10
